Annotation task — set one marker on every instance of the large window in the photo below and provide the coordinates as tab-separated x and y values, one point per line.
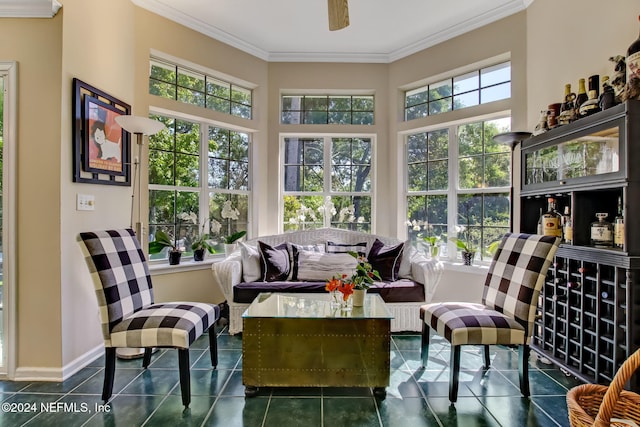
327	182
192	87
198	181
328	109
466	90
458	183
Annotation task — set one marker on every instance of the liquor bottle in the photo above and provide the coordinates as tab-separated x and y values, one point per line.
582	97
601	232
618	227
567	111
551	220
593	103
539	230
567	228
633	62
607	96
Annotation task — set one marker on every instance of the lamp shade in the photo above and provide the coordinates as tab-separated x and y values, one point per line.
139	125
511	139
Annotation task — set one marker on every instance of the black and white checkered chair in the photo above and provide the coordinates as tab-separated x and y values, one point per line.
127	311
508	307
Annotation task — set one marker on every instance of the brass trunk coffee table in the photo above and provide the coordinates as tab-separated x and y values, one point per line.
300	340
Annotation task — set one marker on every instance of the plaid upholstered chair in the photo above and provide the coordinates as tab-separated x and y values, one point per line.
508	308
129	316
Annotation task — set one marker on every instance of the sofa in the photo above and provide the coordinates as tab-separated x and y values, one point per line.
302	262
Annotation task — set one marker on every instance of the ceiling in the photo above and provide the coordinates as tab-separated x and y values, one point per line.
298	30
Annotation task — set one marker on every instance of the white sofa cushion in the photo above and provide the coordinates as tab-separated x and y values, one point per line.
250	262
320	266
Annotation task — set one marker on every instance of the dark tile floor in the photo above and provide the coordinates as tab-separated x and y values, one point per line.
415	397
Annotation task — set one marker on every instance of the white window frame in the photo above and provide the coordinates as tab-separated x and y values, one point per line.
453	190
327	137
203	188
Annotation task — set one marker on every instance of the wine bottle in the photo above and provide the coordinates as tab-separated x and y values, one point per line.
593	103
618	227
567	111
539	230
633	63
582	97
567	228
551	220
601	232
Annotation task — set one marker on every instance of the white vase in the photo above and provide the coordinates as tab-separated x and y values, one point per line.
358	297
229	248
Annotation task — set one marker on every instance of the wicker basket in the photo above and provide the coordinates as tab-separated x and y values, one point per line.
593	405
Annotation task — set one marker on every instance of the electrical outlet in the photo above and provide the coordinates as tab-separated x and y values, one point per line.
85	202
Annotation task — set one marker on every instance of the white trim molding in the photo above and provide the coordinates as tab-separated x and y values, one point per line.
29	8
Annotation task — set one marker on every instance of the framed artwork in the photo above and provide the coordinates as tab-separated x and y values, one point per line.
101	148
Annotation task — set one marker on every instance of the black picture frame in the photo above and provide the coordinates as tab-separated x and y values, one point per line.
107	162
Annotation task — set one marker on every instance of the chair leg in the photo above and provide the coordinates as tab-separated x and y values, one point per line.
213	347
425	344
146	359
185	380
454	373
523	371
487	360
109	371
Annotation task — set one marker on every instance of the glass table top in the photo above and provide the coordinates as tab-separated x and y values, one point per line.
313	306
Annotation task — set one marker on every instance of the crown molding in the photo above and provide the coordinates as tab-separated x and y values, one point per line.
29	8
486	18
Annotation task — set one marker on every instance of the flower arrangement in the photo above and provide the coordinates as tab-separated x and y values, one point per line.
230	213
362	279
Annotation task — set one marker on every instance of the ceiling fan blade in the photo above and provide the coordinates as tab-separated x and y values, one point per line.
338	14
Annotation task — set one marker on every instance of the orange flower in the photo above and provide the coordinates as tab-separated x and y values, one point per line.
333	284
346	289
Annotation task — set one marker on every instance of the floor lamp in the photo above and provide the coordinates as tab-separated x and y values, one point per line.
511	139
137	126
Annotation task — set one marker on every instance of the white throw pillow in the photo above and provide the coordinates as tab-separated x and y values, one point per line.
320	266
250	262
405	264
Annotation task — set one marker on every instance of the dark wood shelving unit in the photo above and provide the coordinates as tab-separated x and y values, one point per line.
588	319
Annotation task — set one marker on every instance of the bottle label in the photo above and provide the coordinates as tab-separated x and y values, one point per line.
618	235
601	233
633	66
568	233
551	226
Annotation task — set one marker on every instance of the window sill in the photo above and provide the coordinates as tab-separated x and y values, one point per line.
159	267
479	268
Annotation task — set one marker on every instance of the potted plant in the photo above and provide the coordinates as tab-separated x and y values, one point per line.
200	244
466	246
357	284
161	241
433	242
230	242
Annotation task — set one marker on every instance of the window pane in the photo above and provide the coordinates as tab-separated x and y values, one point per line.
225	224
416	112
302	212
187	137
470	139
497	170
339	103
218	176
417	178
315	103
363	103
163	140
190	96
187	170
240	95
313	152
492	128
161	203
466	82
496	210
417	96
465	100
439	144
440	90
238	176
218	142
352	212
165	90
438	175
495	74
218	104
191	80
362	118
496	93
340	118
162	71
161	167
312	178
291	117
417	147
315	117
291	103
440	106
241	110
470	170
427	216
218	88
239	147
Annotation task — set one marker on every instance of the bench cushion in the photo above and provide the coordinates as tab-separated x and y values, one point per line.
402	290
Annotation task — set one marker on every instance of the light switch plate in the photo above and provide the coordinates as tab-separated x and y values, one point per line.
85	202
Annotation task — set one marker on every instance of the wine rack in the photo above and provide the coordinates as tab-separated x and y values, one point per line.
588	314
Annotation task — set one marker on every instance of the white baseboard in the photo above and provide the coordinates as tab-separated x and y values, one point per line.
58	374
